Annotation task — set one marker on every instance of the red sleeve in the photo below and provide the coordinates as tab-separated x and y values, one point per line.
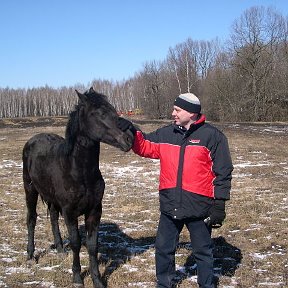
144	147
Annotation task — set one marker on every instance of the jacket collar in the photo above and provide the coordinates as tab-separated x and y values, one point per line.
194	126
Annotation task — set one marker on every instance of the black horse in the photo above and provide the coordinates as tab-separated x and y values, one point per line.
65	173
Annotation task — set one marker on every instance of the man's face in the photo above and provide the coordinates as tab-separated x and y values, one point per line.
183	117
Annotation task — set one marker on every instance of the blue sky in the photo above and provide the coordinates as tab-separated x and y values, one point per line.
67	42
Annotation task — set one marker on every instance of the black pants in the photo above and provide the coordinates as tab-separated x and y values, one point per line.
166	242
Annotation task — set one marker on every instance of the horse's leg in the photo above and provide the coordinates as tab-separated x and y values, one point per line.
31	203
75	244
92	225
54	217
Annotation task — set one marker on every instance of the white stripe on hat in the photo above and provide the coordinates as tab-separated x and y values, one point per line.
190	97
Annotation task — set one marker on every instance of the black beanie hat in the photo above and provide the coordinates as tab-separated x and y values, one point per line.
188	102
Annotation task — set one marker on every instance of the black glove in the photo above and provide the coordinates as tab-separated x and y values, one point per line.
124	124
216	214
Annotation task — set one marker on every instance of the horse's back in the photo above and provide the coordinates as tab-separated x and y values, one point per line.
41	144
39	154
42	140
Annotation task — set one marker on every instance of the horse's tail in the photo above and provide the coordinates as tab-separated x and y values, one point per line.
30	190
31	201
25	158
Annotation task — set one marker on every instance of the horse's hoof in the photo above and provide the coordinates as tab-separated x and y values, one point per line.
61	255
30	262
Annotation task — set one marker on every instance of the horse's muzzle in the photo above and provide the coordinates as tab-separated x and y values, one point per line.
128	138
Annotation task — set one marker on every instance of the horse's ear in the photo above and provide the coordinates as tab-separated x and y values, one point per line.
82	97
91	90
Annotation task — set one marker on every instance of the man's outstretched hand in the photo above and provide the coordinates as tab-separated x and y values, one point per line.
124	124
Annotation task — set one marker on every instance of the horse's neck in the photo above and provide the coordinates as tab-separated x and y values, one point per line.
86	152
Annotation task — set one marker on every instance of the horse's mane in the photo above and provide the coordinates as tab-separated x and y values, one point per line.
71	130
95	98
90	97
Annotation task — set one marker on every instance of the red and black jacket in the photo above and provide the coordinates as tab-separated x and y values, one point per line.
195	167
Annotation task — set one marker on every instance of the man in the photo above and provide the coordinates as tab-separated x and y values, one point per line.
195	182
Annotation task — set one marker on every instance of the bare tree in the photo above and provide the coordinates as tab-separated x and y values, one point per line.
254	43
190	62
181	61
150	89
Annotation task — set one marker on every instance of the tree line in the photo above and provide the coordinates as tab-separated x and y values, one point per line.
243	79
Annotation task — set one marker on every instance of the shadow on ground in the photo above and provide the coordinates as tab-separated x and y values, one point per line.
116	248
226	260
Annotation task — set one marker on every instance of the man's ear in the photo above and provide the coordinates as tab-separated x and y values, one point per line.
194	116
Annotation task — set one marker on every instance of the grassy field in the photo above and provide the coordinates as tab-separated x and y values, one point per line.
250	248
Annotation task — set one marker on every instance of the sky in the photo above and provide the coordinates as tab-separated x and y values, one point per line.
69	42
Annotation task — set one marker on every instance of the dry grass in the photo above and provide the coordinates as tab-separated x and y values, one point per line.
250	248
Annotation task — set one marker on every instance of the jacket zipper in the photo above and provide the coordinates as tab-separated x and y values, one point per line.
180	169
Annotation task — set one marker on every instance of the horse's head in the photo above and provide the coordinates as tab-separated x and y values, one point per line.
98	120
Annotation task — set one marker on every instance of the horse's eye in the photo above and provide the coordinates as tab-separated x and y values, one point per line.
102	114
93	113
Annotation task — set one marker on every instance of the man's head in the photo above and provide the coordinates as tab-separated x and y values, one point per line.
188	102
186	109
